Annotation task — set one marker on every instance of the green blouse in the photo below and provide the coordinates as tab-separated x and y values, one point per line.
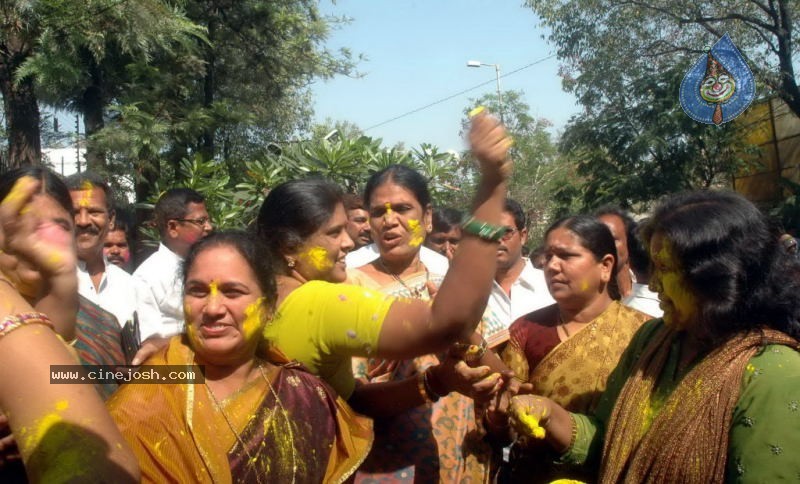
765	431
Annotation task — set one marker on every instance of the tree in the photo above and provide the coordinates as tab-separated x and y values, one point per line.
536	160
600	41
86	51
19	30
634	149
625	60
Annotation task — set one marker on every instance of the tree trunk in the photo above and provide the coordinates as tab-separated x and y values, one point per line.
21	111
93	104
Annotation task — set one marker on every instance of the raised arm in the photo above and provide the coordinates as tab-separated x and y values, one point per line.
46	248
413	327
63	432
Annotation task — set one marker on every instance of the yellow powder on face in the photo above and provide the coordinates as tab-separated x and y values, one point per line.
584	285
318	258
253	319
673	287
213	289
191	332
388	208
532	426
87	188
417	233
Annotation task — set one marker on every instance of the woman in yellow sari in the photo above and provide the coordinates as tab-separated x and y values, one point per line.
255	418
566	351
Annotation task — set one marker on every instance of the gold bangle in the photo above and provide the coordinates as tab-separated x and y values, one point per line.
574	431
16	321
422	390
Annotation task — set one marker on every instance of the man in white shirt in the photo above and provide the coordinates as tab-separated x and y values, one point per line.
182	219
518	287
104	284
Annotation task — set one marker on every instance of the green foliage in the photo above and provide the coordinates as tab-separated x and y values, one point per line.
538	169
788	211
234	195
624	61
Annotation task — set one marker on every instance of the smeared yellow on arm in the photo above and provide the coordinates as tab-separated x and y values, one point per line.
32	437
417	233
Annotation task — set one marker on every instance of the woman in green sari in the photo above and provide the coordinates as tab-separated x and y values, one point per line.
711	392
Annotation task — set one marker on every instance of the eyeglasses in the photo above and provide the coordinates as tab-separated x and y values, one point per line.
200	222
510	233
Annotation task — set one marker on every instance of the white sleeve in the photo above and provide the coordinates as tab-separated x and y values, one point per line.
147	309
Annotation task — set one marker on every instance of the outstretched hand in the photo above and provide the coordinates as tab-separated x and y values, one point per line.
490	144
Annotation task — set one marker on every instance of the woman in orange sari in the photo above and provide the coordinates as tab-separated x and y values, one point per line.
566	351
256	418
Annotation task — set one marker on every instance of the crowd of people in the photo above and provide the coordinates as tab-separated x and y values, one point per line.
374	339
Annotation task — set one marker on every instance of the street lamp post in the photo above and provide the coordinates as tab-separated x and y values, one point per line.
474	63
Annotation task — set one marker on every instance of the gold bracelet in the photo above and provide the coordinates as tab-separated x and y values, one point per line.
574	431
421	387
16	321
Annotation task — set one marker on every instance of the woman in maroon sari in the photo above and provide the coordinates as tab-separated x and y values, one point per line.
257	418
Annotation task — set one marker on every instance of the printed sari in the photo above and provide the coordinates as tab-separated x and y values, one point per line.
439	442
98	340
288	426
572	373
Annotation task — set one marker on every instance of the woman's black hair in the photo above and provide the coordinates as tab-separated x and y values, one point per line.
402	175
731	261
52	184
594	236
444	219
294	210
250	248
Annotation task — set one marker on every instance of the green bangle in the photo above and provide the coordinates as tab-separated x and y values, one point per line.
486	231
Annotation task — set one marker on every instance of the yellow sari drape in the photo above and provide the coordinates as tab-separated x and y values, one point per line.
574	373
179	434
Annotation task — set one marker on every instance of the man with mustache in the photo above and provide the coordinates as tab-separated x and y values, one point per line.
518	287
104	284
357	221
116	248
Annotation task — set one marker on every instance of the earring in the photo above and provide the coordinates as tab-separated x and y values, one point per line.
290	262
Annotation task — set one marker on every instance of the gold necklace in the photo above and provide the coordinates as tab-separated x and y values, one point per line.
416	292
250	457
563	325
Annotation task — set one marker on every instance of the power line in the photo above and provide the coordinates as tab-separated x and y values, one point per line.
459	93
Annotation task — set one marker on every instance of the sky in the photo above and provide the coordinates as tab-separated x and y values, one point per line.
417	53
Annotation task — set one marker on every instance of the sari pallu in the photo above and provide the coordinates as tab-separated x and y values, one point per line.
287	426
573	374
